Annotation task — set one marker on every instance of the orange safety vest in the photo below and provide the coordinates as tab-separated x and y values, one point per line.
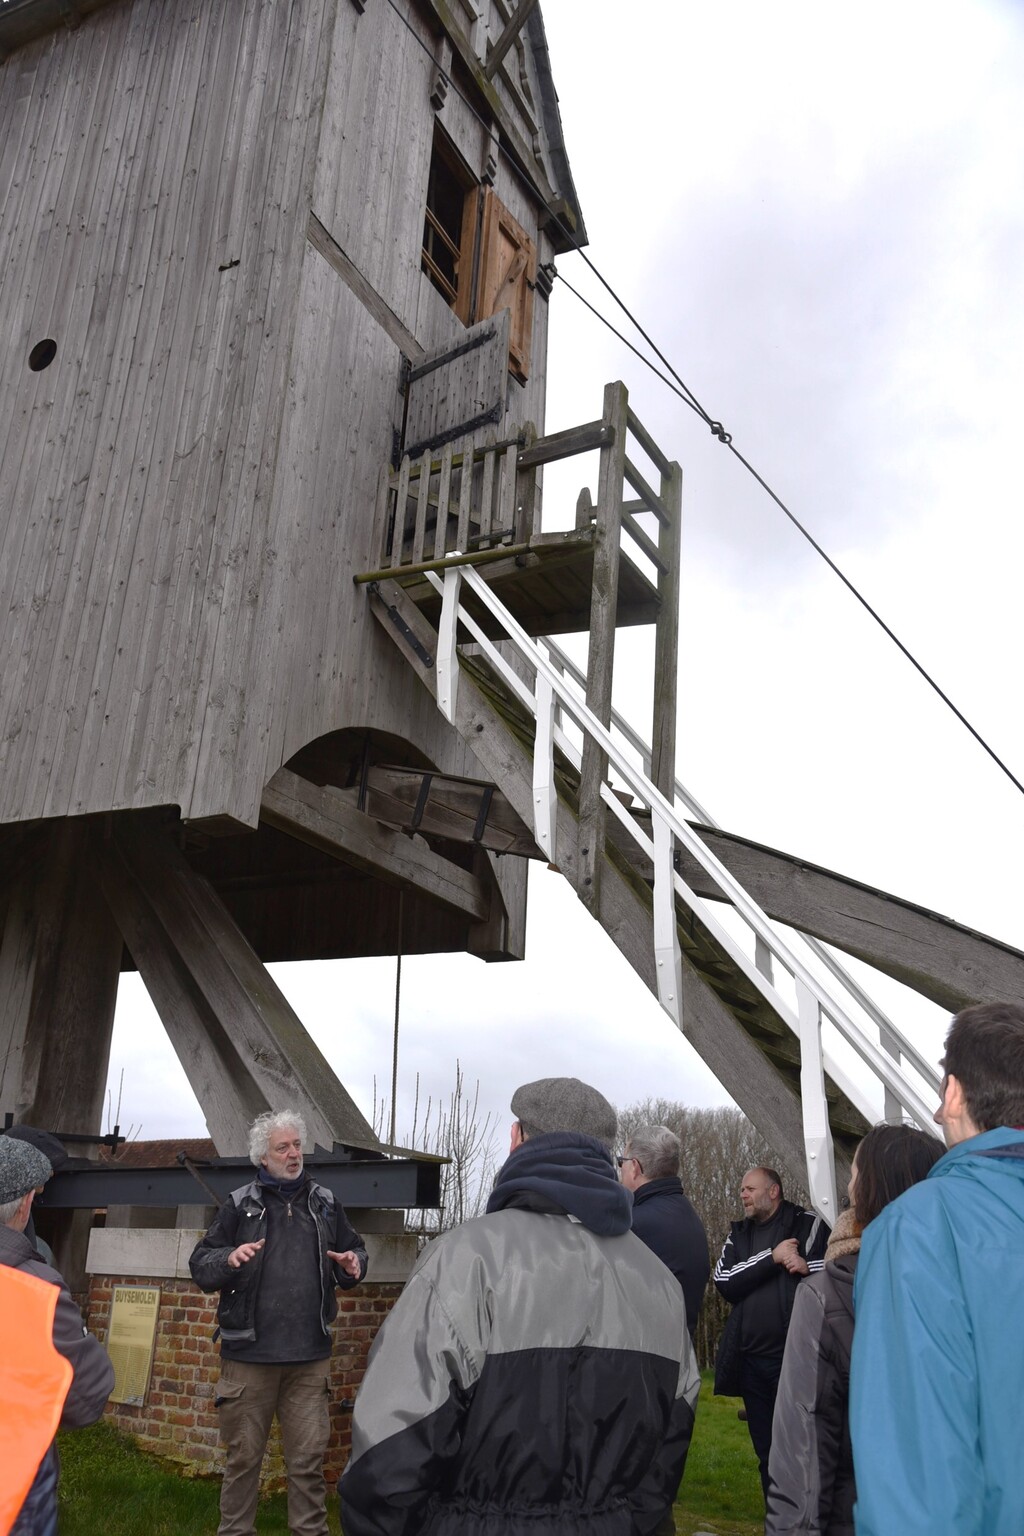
34	1381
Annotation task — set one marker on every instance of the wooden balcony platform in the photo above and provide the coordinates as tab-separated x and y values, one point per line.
546	584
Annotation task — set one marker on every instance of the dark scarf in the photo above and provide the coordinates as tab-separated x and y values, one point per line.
286	1187
566	1174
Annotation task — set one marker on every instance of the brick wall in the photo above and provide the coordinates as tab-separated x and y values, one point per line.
178	1419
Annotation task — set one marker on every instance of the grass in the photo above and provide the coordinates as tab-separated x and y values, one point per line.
721	1490
110	1488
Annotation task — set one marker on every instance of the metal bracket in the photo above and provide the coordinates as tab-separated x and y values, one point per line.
484	812
463	429
408	635
421	802
186	1162
422	369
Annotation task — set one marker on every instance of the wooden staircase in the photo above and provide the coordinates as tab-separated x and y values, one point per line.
792	1037
740	1028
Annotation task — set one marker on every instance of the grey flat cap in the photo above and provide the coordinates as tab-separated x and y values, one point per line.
22	1167
565	1104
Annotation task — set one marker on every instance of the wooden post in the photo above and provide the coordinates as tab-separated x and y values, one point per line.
59	965
666	639
527	505
601	652
60	961
502	936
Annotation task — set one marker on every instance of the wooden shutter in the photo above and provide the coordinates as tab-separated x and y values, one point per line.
459	388
508	273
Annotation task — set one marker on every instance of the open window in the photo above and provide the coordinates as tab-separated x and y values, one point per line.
478	257
449	229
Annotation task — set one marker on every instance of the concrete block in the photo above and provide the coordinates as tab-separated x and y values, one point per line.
145	1253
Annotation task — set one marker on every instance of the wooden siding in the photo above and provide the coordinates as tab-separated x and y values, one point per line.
188	488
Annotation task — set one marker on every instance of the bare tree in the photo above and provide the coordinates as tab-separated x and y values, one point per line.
717	1147
452	1131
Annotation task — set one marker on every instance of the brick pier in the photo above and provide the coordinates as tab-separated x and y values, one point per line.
178	1419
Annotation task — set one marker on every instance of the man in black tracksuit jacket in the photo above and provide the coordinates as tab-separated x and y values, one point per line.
277	1249
536	1374
764	1258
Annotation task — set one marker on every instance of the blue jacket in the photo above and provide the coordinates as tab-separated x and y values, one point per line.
938	1351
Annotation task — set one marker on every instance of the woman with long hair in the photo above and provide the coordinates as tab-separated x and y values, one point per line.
811	1468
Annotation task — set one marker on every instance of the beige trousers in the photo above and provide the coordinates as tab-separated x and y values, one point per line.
248	1397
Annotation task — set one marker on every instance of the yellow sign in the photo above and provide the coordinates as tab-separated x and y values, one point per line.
133	1314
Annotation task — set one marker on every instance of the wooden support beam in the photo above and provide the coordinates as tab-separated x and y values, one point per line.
644	541
566	445
503	935
950	964
452	809
601	651
651	500
663	465
243	1048
324	818
666	638
60	960
510	32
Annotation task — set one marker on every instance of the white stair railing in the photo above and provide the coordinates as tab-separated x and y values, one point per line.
552	700
891	1037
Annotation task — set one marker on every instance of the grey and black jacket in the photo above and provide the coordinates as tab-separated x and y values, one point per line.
812	1488
536	1373
243	1219
91	1384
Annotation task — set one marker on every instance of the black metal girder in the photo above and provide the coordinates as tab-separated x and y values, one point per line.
402	1183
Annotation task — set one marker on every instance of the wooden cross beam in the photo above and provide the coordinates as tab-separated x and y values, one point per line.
511	31
326	819
441	805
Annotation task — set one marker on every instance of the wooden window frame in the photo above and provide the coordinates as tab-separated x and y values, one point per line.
445	162
494	260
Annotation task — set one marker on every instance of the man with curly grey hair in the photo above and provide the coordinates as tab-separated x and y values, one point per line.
277	1249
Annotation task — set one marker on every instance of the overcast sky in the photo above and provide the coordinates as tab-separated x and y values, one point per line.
818	213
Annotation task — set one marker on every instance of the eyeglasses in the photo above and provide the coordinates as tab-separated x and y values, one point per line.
621	1160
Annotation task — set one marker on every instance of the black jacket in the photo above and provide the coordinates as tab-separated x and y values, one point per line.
242	1219
535	1375
812	1488
664	1219
760	1291
91	1384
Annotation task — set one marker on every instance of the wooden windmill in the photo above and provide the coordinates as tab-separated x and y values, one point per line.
273	299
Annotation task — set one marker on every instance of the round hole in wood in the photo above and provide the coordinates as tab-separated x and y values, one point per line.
42	355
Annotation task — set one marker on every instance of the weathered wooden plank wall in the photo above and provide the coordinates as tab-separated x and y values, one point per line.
187	489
